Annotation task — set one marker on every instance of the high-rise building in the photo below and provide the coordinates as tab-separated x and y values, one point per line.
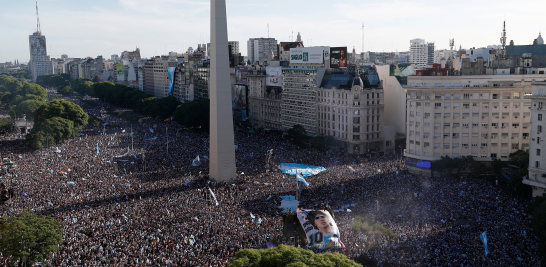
421	53
234	47
40	62
299	103
259	49
537	158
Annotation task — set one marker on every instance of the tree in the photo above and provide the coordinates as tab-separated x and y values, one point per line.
63	109
83	86
5	125
65	91
193	114
28	108
497	166
287	256
297	134
29	238
520	158
323	143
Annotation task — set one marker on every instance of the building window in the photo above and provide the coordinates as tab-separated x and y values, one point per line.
538	152
356	137
539	117
537	164
356	129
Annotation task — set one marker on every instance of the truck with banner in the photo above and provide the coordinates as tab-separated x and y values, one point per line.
320	228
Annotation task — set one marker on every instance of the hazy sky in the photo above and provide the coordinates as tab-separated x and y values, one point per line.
105	27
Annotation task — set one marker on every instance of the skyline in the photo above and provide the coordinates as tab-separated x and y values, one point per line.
81	29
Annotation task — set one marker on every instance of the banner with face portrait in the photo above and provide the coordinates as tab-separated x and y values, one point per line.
320	229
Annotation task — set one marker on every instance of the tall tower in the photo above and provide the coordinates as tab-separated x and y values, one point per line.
222	143
503	39
40	63
298	37
362	37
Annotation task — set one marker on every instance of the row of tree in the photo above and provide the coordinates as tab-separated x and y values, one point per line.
192	114
297	135
53	80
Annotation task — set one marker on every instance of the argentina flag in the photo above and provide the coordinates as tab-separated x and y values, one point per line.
483	237
301	179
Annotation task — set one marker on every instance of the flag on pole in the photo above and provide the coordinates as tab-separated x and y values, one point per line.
196	162
214	196
483	237
301	179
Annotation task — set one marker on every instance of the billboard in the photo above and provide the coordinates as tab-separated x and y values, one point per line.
307	55
338	57
320	229
120	68
273	76
240	75
170	73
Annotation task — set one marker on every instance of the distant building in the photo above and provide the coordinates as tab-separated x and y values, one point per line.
537	158
259	49
40	62
283	50
131	55
421	53
234	47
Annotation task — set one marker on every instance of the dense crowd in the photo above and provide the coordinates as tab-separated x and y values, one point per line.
125	199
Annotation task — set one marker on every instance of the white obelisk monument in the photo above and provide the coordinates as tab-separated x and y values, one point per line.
222	143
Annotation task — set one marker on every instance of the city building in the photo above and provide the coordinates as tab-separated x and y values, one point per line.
299	98
484	116
421	53
183	83
130	55
537	159
284	50
259	49
265	97
350	108
234	47
40	62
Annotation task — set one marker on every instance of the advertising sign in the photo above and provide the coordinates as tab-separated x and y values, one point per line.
326	53
320	229
338	57
240	75
238	94
307	55
170	72
120	68
273	76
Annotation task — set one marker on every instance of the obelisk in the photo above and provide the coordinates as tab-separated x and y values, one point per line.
222	143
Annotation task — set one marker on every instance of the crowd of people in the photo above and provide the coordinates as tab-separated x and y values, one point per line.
131	195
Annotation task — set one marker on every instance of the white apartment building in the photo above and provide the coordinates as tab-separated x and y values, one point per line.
260	49
183	83
264	102
483	116
299	98
421	53
40	62
537	151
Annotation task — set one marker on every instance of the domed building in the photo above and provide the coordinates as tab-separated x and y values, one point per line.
540	41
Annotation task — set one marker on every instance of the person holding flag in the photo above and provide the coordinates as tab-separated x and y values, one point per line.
300	178
483	237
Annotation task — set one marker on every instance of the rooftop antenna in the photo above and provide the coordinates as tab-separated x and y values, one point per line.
503	38
38	20
362	37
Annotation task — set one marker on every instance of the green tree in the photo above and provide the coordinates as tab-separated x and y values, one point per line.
497	166
65	91
297	135
323	143
63	109
83	86
193	114
520	158
29	238
28	107
287	256
5	125
51	80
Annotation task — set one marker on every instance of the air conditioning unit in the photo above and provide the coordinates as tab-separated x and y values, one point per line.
485	126
426	117
516	117
525	137
503	117
503	127
466	126
497	117
496	127
512	137
483	117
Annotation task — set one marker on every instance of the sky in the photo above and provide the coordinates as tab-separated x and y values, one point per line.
105	27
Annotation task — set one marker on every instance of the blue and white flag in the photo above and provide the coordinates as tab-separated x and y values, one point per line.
214	196
196	162
98	151
301	179
105	124
483	237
